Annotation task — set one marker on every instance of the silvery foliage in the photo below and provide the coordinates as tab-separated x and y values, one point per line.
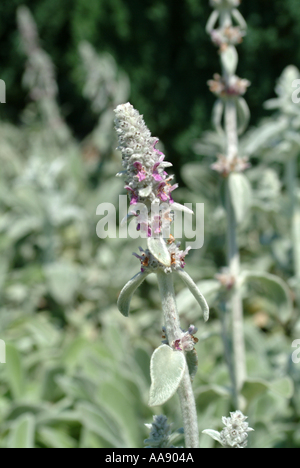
278	135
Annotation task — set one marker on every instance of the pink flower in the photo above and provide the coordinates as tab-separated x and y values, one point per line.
134	197
141	171
157	176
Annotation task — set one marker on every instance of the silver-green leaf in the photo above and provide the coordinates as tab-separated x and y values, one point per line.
128	290
195	291
213	434
159	250
273	288
166	369
240	194
192	362
229	59
217	115
243	113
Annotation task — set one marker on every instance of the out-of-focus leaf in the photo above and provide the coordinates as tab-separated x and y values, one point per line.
229	59
63	280
273	288
78	387
213	434
55	438
92	418
240	195
217	114
22	432
243	113
253	387
200	179
283	386
14	370
260	137
23	227
207	394
120	405
49	388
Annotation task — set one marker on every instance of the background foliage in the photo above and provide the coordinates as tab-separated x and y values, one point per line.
77	372
163	47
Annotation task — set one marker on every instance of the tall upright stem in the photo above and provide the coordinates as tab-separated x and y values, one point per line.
291	179
185	392
233	259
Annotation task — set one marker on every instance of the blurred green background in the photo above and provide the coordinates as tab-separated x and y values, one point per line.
77	372
164	49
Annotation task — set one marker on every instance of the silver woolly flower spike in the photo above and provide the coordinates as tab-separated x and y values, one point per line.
235	432
147	182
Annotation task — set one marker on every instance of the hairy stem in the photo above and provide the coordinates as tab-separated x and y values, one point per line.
291	179
222	310
185	392
233	258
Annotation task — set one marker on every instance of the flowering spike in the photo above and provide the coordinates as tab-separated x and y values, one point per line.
235	432
144	165
160	433
173	365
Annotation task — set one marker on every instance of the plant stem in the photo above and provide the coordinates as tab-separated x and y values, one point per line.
291	178
185	392
222	310
233	259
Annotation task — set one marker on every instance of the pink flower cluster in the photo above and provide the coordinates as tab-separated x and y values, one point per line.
144	165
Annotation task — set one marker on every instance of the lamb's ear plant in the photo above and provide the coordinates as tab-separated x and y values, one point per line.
278	136
230	118
174	363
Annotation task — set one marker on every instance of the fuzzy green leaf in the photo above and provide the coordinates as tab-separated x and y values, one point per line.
273	289
283	386
253	387
229	59
243	113
166	368
195	291
240	194
22	432
158	248
217	115
128	290
14	370
192	362
213	434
